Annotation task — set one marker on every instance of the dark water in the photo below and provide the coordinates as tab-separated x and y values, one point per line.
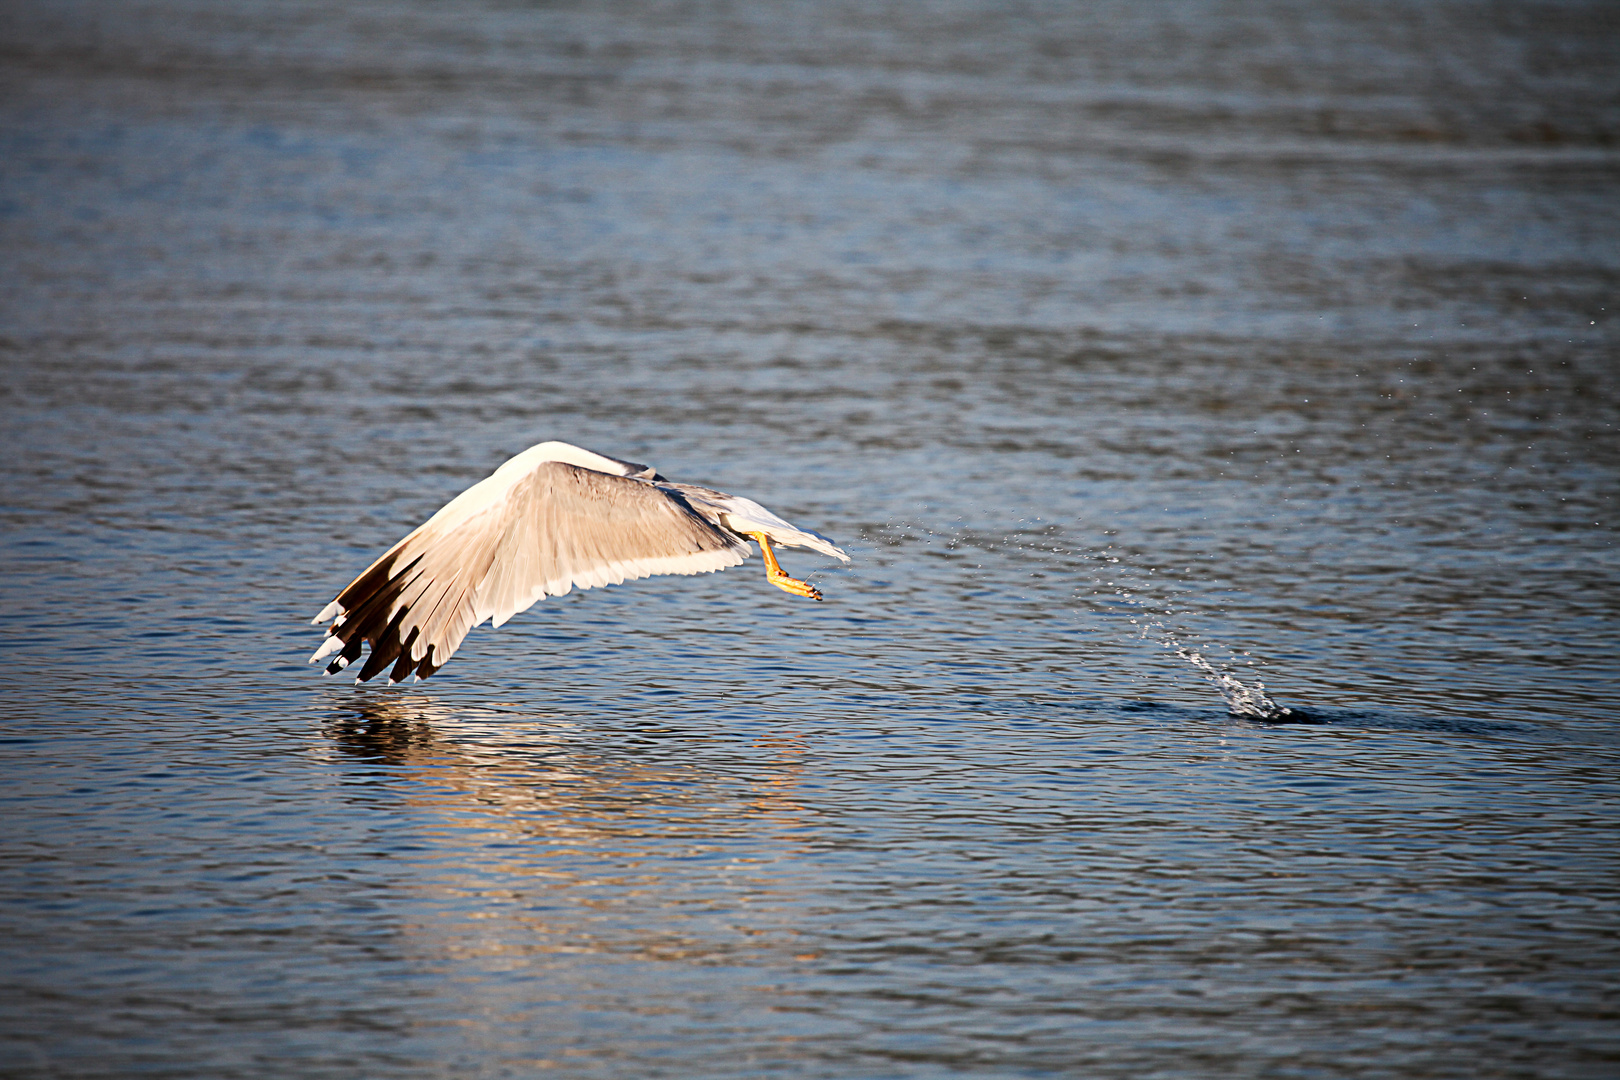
1279	334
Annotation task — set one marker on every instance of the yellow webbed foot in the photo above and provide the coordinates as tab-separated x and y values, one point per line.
778	577
793	585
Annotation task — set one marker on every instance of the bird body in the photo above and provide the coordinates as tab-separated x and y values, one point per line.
554	518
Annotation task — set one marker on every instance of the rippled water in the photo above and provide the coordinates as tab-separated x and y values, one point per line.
1102	335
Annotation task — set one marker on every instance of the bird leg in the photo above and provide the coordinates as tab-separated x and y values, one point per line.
777	576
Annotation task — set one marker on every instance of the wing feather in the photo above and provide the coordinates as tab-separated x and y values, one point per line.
508	542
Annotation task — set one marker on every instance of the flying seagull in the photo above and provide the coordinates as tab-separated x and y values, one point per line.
554	518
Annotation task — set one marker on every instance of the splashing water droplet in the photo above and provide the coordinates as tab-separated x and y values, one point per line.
1241	700
1153	622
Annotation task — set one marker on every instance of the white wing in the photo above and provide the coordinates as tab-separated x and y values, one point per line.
535	528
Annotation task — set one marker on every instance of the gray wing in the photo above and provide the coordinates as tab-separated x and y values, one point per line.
506	543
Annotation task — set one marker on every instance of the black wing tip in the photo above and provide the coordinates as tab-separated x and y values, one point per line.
398	655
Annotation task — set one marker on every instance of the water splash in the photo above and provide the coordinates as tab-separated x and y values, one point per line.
1241	700
1163	605
1153	622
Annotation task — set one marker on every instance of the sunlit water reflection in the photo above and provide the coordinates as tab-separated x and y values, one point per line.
1155	363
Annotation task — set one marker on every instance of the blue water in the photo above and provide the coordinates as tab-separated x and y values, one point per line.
1101	336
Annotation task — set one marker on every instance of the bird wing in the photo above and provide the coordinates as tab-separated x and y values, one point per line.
507	542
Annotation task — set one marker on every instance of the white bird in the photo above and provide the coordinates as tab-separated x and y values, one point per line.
554	518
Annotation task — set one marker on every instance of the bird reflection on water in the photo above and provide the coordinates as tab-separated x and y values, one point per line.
530	774
552	848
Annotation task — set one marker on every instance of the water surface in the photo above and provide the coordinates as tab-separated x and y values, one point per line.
1279	334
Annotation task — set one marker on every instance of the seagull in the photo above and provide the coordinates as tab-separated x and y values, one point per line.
554	518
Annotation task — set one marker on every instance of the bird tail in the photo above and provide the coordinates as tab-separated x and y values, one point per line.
746	516
805	538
